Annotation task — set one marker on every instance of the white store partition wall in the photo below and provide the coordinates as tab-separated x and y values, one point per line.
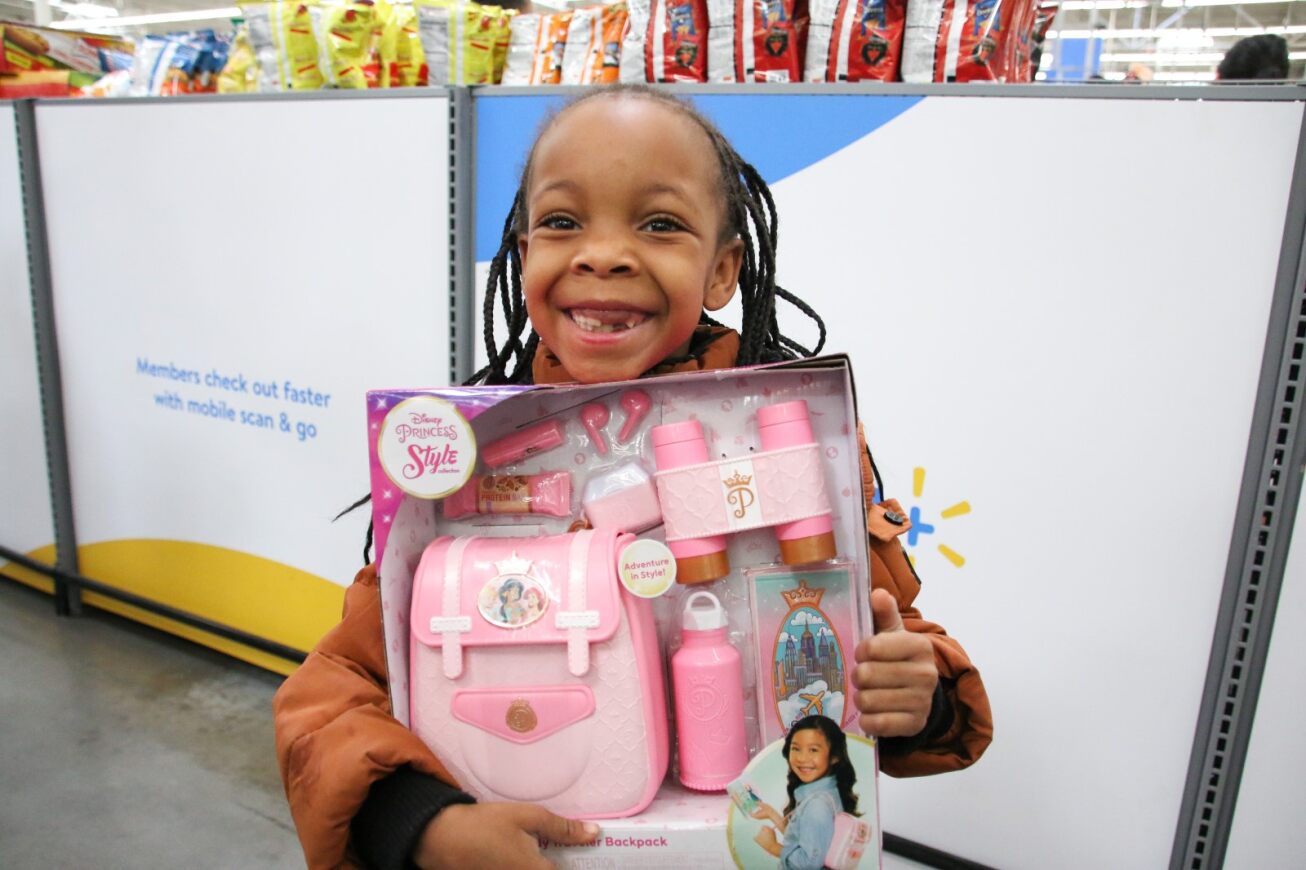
1066	398
26	518
219	330
1037	377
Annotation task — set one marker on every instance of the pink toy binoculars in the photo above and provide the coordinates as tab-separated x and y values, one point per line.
782	487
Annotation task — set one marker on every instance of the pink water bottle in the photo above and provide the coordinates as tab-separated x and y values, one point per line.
810	540
707	677
698	560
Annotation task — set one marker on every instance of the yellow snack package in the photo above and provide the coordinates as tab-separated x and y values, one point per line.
240	74
287	52
374	68
458	40
344	36
502	34
410	67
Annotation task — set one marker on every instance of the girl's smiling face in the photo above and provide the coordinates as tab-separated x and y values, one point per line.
809	755
622	249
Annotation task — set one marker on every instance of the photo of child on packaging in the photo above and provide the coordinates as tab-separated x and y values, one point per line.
813	775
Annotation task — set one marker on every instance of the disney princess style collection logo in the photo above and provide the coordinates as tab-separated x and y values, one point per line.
426	447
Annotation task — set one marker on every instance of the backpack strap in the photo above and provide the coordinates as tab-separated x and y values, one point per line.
452	624
577	619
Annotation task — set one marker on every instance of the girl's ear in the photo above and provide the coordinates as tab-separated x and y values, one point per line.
725	275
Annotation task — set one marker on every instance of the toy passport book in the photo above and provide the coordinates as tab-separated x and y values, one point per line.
803	628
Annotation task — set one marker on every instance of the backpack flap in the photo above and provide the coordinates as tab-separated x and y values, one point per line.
562	589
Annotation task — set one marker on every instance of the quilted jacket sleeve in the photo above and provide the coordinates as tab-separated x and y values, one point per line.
335	735
962	739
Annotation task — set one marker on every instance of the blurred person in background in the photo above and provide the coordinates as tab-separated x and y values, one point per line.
1255	57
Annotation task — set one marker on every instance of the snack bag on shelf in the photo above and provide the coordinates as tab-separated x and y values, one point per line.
535	48
593	48
958	41
919	39
756	40
855	40
287	53
502	38
667	41
1043	16
214	49
458	40
403	63
344	34
240	73
164	67
1020	42
115	84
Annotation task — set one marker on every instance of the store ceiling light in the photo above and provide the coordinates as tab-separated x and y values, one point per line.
1176	32
86	11
1106	5
1175	4
156	18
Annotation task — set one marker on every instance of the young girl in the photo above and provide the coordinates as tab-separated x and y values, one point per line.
634	219
821	780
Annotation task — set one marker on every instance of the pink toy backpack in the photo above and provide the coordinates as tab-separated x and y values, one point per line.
851	837
536	676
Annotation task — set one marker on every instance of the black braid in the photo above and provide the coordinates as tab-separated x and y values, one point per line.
751	216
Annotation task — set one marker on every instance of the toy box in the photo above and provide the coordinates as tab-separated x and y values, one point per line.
735	515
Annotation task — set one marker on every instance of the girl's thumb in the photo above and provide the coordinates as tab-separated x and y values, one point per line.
884	611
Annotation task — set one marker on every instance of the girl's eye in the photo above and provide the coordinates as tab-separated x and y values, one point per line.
557	222
663	224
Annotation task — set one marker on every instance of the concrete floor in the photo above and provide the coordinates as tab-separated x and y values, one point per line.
121	746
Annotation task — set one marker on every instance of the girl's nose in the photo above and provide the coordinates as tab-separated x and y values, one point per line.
604	255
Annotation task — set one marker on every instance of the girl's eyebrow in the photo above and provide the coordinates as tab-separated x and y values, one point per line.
664	187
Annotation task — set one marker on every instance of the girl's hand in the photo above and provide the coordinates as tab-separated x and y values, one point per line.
496	835
765	811
895	674
766	839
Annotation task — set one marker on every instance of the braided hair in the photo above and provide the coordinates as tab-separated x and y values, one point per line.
750	215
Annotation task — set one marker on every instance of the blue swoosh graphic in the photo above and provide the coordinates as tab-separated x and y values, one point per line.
778	134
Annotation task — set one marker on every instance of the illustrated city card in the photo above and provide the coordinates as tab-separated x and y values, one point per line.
804	629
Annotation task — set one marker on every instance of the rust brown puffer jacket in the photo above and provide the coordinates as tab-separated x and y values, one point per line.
335	735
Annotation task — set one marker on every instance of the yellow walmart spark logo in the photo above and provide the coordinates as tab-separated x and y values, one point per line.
920	528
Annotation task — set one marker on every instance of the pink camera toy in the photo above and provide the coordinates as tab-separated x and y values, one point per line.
782	487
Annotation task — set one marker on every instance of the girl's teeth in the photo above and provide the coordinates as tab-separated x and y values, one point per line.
592	324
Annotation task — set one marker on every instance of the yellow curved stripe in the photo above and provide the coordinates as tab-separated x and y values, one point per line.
28	577
264	598
917	481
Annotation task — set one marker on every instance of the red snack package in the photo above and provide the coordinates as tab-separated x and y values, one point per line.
671	37
757	40
973	41
855	40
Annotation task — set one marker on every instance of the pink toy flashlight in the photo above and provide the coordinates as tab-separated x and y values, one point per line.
810	540
698	560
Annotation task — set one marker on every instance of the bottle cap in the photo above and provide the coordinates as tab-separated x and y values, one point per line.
674	433
784	412
703	618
